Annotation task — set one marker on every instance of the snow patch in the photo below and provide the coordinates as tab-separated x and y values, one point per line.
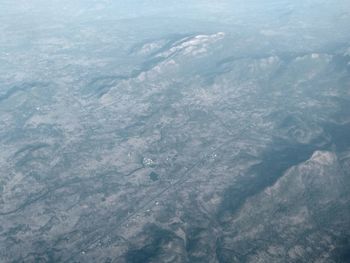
315	56
323	158
193	46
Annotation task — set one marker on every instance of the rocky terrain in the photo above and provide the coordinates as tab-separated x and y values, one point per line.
130	139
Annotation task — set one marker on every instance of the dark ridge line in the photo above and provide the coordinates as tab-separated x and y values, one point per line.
25	204
48	191
157	236
265	174
31	148
23	87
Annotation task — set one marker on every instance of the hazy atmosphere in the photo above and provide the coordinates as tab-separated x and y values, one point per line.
159	131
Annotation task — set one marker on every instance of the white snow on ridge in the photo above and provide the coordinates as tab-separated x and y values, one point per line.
151	47
323	157
193	46
315	55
